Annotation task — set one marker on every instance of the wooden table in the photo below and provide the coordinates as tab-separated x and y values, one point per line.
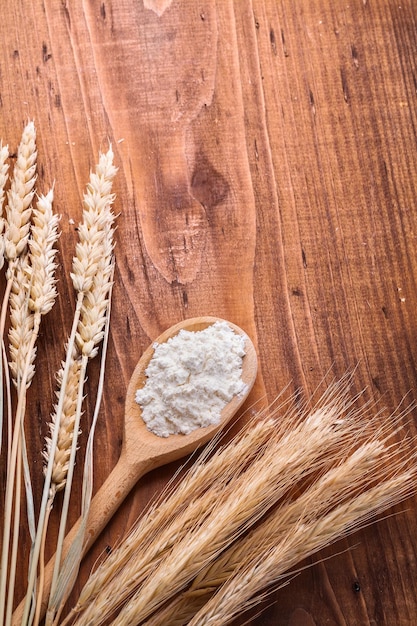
267	175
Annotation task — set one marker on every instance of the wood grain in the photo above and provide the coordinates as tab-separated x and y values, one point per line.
267	175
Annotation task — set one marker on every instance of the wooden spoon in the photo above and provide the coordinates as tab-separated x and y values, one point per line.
143	451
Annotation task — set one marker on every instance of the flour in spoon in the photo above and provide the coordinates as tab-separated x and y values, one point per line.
190	379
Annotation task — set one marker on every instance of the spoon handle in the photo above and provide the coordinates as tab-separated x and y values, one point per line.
105	503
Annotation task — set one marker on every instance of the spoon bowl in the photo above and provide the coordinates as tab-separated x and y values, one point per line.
142	450
165	449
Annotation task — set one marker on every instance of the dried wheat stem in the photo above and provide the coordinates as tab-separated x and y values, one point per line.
22	371
32	295
91	278
15	537
18	209
41	578
4	169
14	241
92	274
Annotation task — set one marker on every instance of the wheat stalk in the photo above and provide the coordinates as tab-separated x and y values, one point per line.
89	273
375	457
27	308
96	234
158	529
306	537
247	499
240	501
32	296
4	169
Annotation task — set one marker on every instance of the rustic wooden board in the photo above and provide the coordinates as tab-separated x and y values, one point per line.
267	175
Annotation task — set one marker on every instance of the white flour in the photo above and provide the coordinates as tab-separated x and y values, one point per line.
191	378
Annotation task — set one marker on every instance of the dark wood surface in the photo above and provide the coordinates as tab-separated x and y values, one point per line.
267	175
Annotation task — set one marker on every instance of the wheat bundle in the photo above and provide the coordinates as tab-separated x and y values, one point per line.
194	545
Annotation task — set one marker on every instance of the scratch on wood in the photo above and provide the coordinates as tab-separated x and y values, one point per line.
45	54
414	81
304	257
344	86
66	13
312	103
284	47
354	53
272	40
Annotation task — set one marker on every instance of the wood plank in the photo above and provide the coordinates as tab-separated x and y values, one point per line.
267	167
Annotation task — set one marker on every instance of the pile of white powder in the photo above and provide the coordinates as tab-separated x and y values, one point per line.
191	378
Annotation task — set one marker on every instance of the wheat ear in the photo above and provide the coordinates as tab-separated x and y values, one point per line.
239	504
32	296
20	195
159	529
96	225
18	210
66	428
308	535
168	520
374	457
16	232
247	499
96	235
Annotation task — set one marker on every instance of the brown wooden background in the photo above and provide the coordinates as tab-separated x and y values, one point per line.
267	174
